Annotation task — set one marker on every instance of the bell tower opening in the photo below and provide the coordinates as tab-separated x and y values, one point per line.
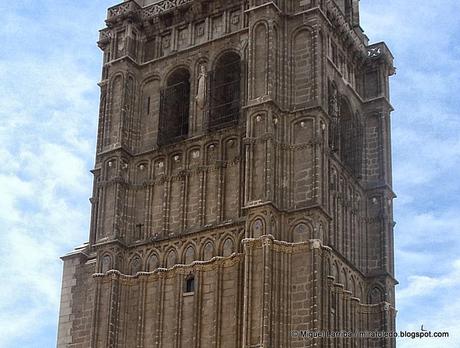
351	139
225	92
175	108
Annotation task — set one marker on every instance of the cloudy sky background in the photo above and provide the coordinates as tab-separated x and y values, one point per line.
49	67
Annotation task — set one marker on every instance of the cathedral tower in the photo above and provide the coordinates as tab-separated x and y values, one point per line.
242	182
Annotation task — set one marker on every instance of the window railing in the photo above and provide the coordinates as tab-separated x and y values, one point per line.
225	90
174	113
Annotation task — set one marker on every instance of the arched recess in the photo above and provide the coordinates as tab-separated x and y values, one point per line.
335	272
111	168
228	247
260	60
375	295
353	285
333	108
171	258
349	9
360	292
135	265
208	251
344	278
153	262
106	263
351	138
174	107
225	91
302	67
275	65
303	164
114	119
258	228
189	255
139	209
150	107
302	232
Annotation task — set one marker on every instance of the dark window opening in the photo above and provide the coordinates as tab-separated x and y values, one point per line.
348	9
190	284
174	108
225	92
351	139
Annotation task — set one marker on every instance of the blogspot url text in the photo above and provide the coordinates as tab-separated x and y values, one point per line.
306	334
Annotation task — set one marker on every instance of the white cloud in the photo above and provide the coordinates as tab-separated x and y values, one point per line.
420	296
49	112
424	285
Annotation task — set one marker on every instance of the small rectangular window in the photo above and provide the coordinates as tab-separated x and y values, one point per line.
190	284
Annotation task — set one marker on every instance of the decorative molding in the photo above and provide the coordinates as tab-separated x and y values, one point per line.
344	27
212	264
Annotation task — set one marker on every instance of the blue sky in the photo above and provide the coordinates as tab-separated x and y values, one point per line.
49	67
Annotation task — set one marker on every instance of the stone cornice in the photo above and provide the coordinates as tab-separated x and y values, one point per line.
132	10
212	264
282	246
344	29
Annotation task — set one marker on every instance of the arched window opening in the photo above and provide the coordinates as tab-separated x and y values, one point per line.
225	92
190	284
174	108
351	139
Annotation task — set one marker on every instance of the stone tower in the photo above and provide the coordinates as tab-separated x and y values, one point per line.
242	182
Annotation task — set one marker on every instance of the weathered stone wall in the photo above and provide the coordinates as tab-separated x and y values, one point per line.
283	218
77	302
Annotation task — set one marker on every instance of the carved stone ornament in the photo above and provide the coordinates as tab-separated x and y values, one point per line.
374	52
166	42
235	19
201	93
200	30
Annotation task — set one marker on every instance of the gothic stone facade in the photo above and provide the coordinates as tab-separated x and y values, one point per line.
242	183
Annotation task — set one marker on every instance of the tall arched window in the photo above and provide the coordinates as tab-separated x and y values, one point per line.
351	138
225	91
174	107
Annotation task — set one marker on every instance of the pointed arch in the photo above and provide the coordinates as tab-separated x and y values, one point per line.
225	91
153	262
302	232
259	59
228	247
376	294
135	265
106	263
351	138
302	66
175	107
189	254
171	258
208	250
